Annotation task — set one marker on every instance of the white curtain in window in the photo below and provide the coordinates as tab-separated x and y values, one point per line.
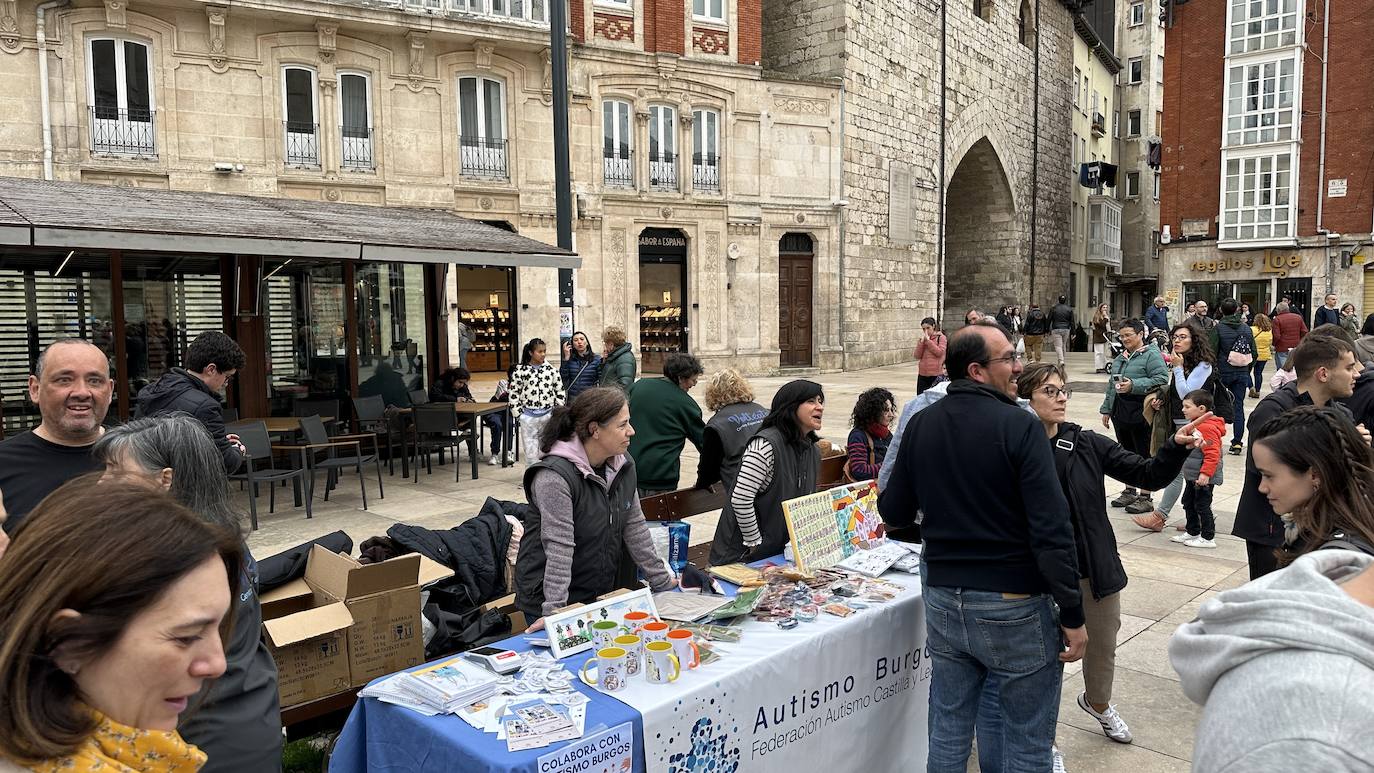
353	101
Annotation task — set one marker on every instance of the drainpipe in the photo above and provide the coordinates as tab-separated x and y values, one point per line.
43	83
1035	157
940	183
844	225
1321	153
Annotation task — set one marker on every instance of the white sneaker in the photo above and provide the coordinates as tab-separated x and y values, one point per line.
1112	723
494	460
1182	536
1199	542
510	458
1059	761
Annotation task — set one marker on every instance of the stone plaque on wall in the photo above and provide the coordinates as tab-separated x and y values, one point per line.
900	222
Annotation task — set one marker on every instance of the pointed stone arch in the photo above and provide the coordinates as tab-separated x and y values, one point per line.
984	261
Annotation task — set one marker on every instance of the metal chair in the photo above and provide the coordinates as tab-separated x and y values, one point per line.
318	440
436	428
253	435
319	407
370	416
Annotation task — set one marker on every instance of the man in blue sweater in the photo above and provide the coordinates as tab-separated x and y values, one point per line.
999	556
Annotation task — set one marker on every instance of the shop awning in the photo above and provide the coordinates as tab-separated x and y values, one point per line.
37	213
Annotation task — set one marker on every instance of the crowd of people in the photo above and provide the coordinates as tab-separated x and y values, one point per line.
142	650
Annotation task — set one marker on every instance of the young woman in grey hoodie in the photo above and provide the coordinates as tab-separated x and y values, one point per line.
1284	666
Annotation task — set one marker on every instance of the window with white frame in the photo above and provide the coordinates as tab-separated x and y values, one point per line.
1077	75
1083	104
617	164
616	3
355	121
529	10
1134	69
709	10
301	124
1137	14
706	150
1073	151
1159	69
1258	25
1257	196
1133	123
662	147
482	127
1156	188
119	90
1132	184
1259	104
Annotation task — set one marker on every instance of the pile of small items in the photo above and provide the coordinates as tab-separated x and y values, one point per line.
791	598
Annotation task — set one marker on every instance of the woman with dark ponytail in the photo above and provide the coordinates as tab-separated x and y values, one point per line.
585	509
780	463
535	390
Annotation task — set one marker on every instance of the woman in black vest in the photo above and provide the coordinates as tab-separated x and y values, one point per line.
780	463
737	417
584	509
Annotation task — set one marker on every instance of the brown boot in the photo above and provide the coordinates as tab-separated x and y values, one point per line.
1153	521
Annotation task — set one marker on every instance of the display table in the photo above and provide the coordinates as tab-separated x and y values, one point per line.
839	694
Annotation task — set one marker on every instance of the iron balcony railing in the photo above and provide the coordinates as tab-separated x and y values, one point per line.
482	157
663	172
302	143
618	168
123	132
706	172
357	148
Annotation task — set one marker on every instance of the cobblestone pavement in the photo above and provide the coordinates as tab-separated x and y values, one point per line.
1168	581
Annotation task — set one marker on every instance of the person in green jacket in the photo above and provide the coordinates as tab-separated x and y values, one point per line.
1137	371
665	417
618	363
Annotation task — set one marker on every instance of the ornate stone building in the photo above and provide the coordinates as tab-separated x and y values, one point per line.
704	190
996	145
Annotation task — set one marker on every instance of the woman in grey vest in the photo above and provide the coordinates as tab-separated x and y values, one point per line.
781	462
737	417
585	509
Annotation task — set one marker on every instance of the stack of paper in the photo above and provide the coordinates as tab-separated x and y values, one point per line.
439	689
535	723
875	561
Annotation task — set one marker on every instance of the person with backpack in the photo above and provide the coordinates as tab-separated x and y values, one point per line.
1283	666
1234	344
1037	327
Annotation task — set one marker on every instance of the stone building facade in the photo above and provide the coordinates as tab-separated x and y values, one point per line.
1005	157
691	170
1095	220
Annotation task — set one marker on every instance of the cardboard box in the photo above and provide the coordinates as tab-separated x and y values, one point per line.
345	623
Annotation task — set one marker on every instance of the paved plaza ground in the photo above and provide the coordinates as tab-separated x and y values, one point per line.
1168	582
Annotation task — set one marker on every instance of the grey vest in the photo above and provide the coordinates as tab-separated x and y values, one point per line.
735	425
794	475
599	517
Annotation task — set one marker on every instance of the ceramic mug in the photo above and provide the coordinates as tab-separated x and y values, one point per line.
661	666
603	632
655	631
610	669
685	647
636	620
634	652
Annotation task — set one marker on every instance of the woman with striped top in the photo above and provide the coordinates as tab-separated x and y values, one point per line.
781	462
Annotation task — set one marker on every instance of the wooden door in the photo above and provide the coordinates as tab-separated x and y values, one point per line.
794	308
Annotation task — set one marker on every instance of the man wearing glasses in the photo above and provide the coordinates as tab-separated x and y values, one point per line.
211	361
999	565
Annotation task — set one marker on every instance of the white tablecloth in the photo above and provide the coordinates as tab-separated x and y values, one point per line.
839	694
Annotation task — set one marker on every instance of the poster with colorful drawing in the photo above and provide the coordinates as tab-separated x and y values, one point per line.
856	514
570	631
828	526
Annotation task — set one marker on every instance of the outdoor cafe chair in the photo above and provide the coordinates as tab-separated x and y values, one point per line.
318	441
260	467
437	428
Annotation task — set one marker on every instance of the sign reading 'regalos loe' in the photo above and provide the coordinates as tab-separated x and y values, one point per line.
1271	263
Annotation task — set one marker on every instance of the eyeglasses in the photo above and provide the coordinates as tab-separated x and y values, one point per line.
1013	357
1053	392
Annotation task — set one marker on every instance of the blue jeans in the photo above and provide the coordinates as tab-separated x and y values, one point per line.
1281	358
1239	385
975	636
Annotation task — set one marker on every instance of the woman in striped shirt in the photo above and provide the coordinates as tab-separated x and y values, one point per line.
872	433
781	462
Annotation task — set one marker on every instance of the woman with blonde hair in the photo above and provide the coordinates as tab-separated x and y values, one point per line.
737	417
1263	332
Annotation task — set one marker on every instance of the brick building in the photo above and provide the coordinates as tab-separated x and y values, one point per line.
1268	153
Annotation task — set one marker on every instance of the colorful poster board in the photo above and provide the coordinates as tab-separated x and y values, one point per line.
828	526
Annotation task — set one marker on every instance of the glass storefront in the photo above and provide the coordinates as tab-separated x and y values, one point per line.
482	301
168	301
306	328
391	337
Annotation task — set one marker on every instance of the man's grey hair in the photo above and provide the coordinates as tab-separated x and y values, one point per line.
1282	308
181	442
1159	299
42	357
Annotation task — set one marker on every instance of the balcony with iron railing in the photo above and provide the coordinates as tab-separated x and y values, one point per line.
663	172
302	144
124	132
483	158
706	172
356	149
617	168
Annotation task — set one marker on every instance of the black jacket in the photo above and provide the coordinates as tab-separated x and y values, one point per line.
178	390
1061	317
1361	403
1081	458
1256	521
1037	324
1014	536
474	549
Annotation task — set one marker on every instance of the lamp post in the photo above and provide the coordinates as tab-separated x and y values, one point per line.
562	173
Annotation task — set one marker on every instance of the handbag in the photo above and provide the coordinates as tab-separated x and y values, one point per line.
849	476
1242	352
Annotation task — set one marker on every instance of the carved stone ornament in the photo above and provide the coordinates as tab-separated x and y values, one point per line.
115	14
485	202
666	212
416	71
642	117
9	26
547	56
328	33
216	16
481	53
